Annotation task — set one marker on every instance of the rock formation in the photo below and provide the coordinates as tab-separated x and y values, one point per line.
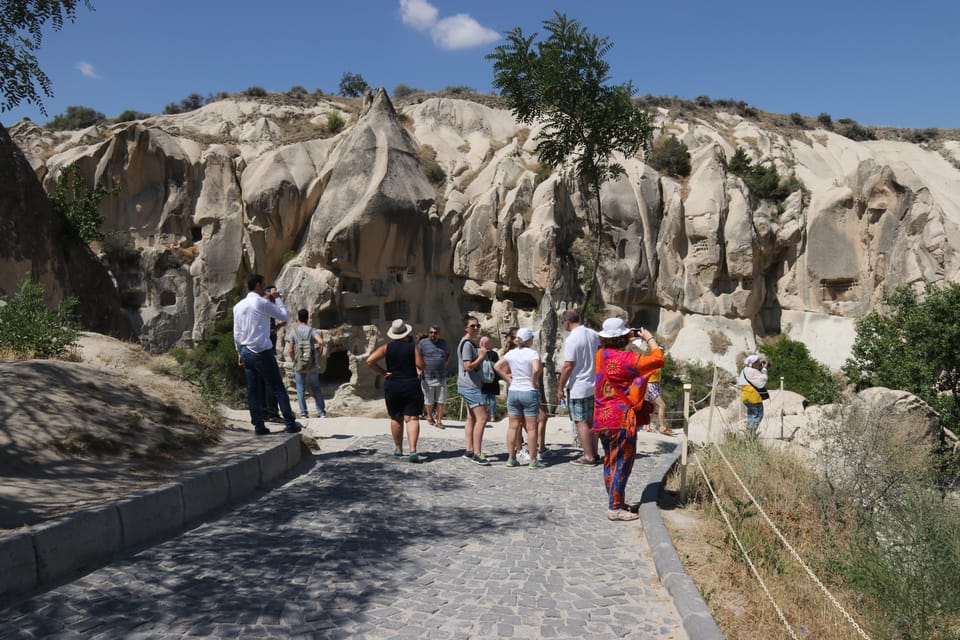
33	240
442	208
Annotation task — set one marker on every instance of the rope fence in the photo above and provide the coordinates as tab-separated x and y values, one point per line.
724	512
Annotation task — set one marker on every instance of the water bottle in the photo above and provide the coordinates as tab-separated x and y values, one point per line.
562	407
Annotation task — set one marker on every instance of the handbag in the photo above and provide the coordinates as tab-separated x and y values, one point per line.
764	394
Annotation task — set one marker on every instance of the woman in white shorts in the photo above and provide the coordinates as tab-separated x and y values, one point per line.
521	367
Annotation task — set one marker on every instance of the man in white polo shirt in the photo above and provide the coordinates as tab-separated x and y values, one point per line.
576	383
257	355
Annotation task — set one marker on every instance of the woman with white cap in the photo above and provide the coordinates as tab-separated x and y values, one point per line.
520	367
401	385
621	381
753	380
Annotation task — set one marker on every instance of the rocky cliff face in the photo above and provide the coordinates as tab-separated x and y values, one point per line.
351	228
33	241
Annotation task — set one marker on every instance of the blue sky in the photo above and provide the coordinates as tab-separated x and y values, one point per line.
880	63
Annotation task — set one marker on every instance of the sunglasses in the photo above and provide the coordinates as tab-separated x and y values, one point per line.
473	326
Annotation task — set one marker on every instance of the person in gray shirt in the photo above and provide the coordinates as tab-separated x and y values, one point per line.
436	354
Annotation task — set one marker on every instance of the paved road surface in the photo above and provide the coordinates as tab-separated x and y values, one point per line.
366	545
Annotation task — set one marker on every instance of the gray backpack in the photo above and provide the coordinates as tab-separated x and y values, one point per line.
487	374
303	354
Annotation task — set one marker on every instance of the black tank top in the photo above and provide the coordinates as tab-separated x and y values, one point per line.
401	360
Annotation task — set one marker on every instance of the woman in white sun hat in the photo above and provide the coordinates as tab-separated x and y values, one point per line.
401	385
621	381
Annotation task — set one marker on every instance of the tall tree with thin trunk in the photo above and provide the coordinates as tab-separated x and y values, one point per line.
563	81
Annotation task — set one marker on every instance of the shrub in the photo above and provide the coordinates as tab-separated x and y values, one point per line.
703	101
352	85
172	108
29	329
800	371
79	205
671	156
297	91
905	554
212	364
334	122
855	131
457	90
700	377
192	102
825	120
402	91
255	92
431	168
543	172
129	115
918	136
75	118
797	119
763	181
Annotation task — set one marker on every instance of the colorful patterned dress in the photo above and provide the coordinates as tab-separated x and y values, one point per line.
621	383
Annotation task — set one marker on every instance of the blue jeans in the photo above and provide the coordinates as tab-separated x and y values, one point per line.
263	366
491	400
314	379
754	416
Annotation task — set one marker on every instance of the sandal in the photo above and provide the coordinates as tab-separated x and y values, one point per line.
621	515
667	432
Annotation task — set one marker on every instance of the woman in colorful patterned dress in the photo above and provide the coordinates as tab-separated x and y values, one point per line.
621	381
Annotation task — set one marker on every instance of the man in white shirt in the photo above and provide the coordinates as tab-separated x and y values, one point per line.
256	353
576	384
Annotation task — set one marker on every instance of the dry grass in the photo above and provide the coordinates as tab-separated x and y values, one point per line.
711	556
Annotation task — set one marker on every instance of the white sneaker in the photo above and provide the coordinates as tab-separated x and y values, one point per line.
523	456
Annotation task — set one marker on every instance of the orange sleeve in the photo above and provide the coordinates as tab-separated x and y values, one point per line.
647	364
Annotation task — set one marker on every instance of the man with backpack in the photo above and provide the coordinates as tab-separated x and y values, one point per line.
306	346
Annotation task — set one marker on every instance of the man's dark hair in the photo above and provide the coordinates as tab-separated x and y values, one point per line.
302	315
572	315
253	280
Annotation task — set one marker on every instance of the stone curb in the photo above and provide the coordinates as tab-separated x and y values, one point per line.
697	619
52	550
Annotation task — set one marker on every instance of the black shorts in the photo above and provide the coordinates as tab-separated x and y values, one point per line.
403	398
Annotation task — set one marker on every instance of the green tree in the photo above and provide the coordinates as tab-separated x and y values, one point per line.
563	81
801	373
75	117
670	156
21	34
80	205
763	181
913	344
352	85
30	329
